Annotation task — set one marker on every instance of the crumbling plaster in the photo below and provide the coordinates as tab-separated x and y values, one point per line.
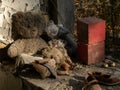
8	8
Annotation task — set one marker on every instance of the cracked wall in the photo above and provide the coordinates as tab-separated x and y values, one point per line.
8	8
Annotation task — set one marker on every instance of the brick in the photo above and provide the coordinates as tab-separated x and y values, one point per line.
91	53
91	30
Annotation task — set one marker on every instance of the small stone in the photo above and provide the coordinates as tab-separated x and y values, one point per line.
105	65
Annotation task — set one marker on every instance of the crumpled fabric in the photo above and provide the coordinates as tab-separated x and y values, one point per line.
26	59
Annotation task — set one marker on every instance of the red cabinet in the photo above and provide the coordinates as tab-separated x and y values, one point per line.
91	30
91	36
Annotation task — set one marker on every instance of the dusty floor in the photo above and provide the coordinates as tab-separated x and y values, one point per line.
114	71
76	79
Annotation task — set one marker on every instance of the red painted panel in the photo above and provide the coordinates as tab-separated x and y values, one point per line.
91	30
91	53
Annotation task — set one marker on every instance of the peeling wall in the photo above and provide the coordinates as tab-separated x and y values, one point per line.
8	8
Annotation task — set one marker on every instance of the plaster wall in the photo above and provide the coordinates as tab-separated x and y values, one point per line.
8	8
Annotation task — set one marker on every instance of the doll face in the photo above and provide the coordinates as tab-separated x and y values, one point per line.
52	30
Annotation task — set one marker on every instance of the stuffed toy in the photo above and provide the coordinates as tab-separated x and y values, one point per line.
27	28
26	31
56	51
29	48
60	32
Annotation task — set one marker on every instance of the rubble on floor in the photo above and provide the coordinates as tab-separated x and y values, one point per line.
75	81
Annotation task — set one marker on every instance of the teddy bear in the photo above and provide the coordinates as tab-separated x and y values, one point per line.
30	48
26	30
27	27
